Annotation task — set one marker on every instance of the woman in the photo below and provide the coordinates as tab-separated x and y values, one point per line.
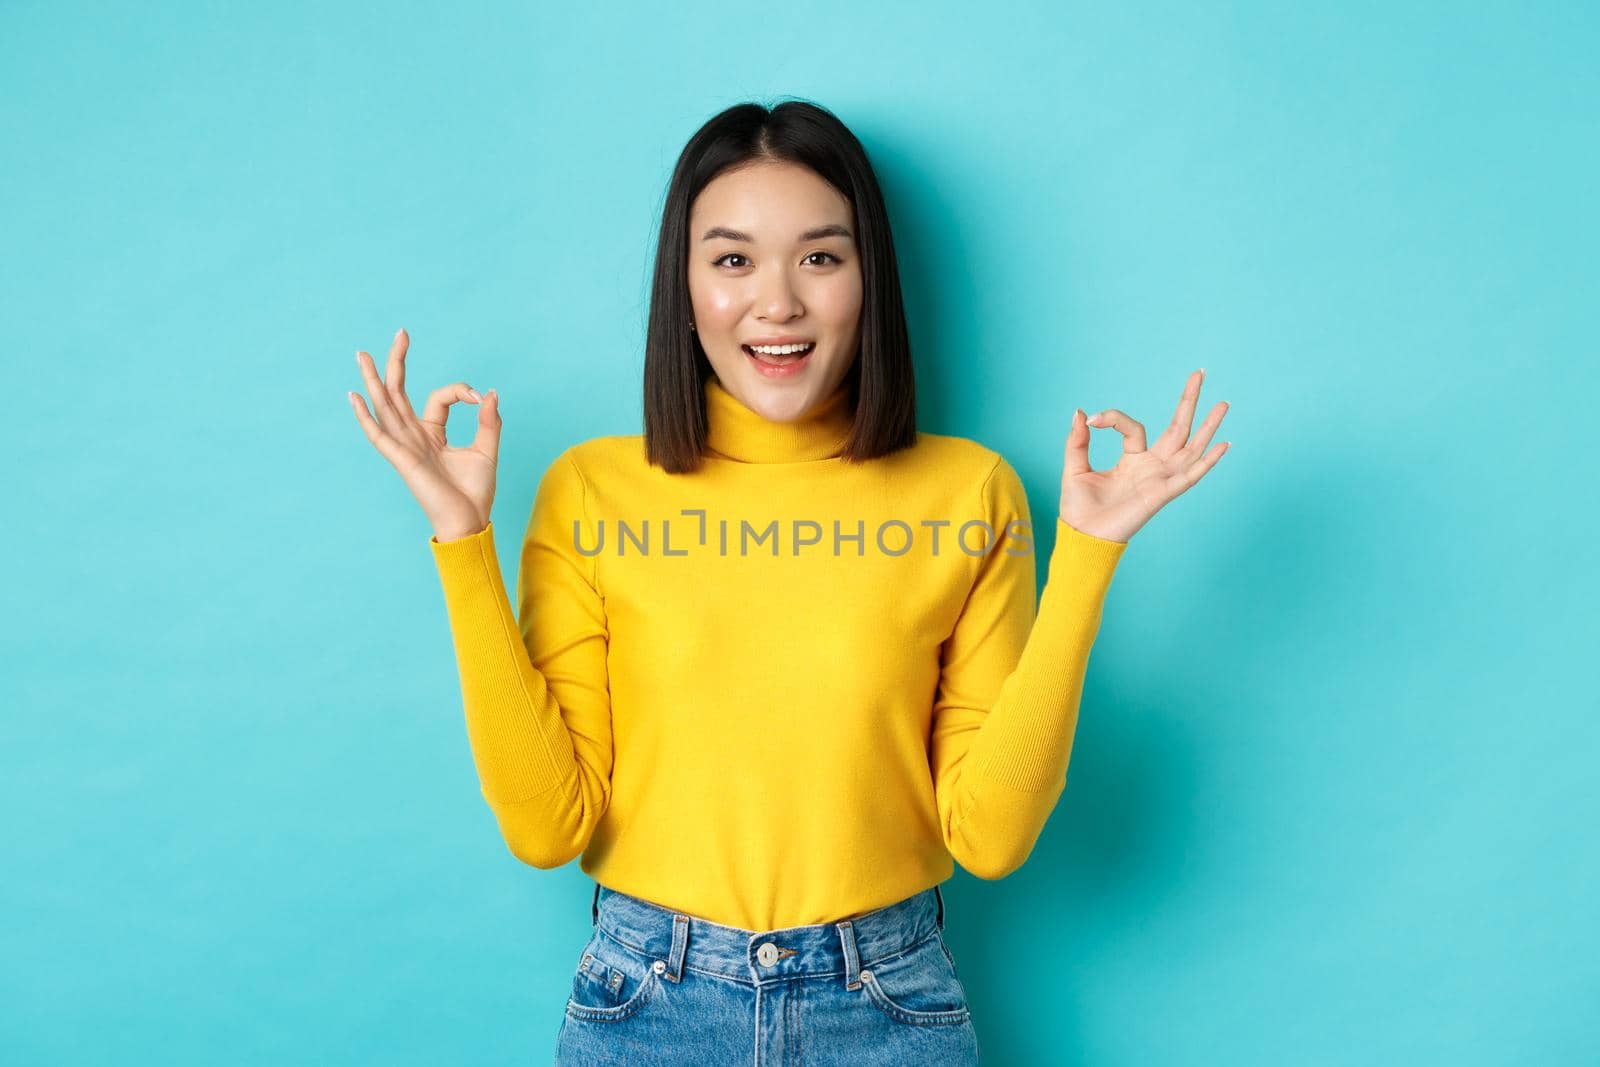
775	665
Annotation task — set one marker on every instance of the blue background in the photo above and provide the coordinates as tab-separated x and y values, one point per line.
1333	798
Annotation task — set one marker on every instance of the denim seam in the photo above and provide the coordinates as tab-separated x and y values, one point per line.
618	1012
687	966
882	1001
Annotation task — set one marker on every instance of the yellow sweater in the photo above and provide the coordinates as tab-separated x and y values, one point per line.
782	689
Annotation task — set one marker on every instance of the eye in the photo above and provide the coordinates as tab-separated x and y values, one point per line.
720	260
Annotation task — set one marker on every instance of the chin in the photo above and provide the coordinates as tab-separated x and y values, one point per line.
778	401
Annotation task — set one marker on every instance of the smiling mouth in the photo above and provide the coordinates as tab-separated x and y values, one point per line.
780	360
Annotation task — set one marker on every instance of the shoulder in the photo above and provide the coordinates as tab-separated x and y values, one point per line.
596	455
976	476
963	461
571	474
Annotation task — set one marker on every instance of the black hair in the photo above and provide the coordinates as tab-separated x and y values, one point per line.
882	389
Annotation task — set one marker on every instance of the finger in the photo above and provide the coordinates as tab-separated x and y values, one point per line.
1180	483
1207	430
1177	432
395	376
386	445
488	439
1131	429
437	411
1077	457
382	404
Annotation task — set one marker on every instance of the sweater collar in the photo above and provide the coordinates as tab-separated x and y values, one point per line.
737	433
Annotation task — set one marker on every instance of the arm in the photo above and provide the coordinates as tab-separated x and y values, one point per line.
535	692
1010	685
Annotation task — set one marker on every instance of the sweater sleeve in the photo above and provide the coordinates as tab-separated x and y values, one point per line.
534	687
1010	684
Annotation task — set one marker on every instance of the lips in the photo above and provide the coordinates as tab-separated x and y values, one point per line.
779	366
806	351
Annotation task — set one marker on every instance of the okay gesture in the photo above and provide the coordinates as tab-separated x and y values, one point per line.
1113	504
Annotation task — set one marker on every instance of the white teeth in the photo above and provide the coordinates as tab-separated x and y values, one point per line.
780	350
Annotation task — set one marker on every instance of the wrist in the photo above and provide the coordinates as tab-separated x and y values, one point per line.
1098	531
456	528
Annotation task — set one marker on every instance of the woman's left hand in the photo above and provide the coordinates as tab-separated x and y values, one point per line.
1113	504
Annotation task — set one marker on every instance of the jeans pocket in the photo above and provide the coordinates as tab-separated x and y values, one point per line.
947	955
918	986
612	981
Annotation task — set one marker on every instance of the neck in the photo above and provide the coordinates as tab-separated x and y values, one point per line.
737	433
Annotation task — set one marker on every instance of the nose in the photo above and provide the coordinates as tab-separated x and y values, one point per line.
775	297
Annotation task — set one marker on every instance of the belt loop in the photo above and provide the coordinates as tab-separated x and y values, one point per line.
852	962
938	896
595	908
680	947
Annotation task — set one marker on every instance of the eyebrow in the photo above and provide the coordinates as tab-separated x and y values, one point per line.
833	229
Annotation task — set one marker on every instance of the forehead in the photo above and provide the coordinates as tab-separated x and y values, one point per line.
769	201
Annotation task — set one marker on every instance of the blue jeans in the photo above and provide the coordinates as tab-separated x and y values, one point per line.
654	987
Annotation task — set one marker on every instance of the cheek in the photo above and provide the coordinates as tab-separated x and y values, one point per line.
717	303
713	299
838	302
725	304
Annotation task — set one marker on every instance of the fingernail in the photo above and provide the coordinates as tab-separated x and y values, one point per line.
398	332
1090	419
473	393
358	357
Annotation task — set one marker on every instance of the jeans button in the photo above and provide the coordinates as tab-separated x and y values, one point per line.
659	967
767	954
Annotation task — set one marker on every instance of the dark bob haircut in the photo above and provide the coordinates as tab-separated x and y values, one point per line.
882	391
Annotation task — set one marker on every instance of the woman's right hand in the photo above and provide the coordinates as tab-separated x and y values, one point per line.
455	486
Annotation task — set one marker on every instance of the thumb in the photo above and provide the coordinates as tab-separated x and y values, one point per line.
1076	459
487	440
